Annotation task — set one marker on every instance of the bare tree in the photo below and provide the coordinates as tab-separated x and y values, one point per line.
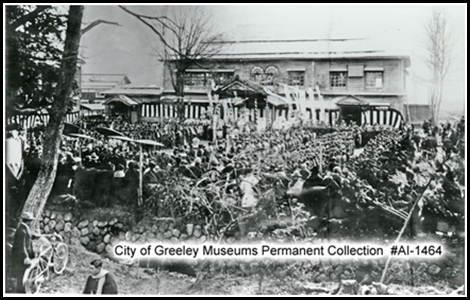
188	39
438	45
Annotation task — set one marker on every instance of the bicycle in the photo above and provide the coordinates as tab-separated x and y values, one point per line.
52	254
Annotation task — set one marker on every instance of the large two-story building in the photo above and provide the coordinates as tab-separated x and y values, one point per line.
328	80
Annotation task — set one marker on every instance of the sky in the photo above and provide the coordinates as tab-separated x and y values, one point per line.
129	48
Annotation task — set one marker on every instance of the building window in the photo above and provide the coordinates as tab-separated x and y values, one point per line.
374	79
257	74
271	73
222	77
99	95
338	79
204	78
194	79
296	78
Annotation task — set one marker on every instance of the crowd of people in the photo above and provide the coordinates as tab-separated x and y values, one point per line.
192	145
302	154
450	137
194	152
189	144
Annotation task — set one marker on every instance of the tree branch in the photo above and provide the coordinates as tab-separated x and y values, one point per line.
96	23
162	39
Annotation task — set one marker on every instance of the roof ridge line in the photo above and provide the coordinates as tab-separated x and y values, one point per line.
289	41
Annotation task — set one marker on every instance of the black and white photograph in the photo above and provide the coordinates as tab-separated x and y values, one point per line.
235	149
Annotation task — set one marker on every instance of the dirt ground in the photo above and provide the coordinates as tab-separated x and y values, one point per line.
140	281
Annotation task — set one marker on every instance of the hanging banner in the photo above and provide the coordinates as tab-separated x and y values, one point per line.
230	113
209	96
317	89
225	107
289	100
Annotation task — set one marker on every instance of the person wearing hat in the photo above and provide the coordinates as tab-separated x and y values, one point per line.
22	250
314	179
100	282
94	160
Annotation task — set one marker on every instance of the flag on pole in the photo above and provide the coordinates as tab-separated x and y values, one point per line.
298	100
317	89
311	103
231	114
225	106
268	117
303	101
209	96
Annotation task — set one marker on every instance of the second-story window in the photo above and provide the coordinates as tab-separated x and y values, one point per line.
222	77
338	79
374	79
194	79
270	75
257	74
203	78
296	78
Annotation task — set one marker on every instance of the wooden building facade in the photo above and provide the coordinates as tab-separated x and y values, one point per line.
327	81
317	73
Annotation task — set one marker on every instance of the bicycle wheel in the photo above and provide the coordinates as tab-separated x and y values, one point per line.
32	280
60	257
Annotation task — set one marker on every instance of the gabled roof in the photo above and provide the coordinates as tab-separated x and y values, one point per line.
242	85
105	80
239	85
151	90
93	85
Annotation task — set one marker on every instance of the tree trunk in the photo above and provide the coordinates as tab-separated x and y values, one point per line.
439	99
53	134
434	100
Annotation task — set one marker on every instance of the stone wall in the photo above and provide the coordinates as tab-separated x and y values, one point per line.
99	235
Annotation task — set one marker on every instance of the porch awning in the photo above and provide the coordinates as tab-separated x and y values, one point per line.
97	106
187	99
123	99
275	99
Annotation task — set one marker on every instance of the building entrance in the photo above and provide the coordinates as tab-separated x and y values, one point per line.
351	114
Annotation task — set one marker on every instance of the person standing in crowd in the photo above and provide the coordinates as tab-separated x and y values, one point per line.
151	174
100	282
22	250
314	179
